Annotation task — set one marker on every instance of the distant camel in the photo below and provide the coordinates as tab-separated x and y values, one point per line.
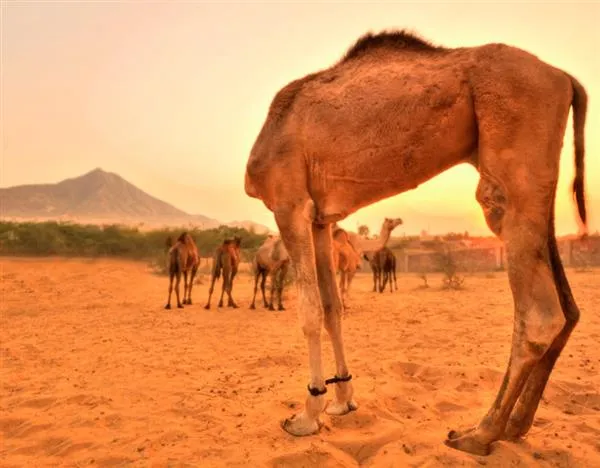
183	258
391	114
368	247
226	260
273	260
346	259
349	248
383	264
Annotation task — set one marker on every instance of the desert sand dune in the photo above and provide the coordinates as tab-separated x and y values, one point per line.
94	370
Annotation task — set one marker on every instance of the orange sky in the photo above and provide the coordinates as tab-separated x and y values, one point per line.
171	96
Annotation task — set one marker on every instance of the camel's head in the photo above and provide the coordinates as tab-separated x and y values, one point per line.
237	240
392	223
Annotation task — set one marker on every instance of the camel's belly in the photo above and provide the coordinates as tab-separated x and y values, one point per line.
374	140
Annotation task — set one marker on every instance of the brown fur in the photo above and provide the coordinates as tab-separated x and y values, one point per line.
183	258
386	119
390	39
225	261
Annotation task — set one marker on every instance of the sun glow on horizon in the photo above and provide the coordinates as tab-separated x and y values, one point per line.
172	96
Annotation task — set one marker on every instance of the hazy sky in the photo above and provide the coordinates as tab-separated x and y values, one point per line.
171	95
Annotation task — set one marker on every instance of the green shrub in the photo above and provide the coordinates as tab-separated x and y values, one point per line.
68	239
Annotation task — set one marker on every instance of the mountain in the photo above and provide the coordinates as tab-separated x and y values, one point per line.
98	197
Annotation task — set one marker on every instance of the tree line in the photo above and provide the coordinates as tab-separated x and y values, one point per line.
88	240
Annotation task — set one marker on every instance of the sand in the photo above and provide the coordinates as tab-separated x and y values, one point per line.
95	371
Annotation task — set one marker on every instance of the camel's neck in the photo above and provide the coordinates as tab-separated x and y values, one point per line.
372	245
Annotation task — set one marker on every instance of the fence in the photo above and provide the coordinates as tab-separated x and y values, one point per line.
574	253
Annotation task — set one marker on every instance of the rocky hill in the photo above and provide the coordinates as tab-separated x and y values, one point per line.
98	197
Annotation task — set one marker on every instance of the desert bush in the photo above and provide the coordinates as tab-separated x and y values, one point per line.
449	267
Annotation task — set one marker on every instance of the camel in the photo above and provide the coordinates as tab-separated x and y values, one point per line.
349	248
346	259
225	260
394	112
183	258
383	264
369	246
271	259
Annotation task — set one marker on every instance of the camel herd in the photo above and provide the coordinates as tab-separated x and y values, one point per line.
392	113
272	260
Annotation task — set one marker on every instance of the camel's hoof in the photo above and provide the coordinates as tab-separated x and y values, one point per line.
340	409
457	434
281	308
271	307
300	426
252	307
207	307
220	304
189	302
468	443
168	306
179	306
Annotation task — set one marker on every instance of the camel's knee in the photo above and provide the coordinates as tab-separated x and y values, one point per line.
312	321
493	200
538	326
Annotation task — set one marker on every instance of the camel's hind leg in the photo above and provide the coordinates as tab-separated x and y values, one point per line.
171	276
185	286
211	290
192	277
262	288
177	282
331	298
520	213
282	276
521	418
385	274
394	263
224	286
296	233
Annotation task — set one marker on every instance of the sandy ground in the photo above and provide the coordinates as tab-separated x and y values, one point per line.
95	371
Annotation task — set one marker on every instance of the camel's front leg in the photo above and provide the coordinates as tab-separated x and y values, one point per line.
256	275
375	280
351	274
262	288
296	232
332	305
274	273
230	301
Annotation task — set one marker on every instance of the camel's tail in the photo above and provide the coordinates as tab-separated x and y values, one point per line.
579	104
